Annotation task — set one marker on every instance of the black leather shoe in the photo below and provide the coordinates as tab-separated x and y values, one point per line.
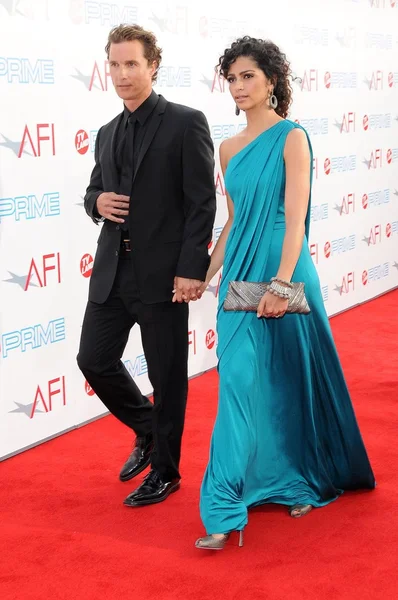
152	490
139	459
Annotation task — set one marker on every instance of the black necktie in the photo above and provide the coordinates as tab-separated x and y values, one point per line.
127	171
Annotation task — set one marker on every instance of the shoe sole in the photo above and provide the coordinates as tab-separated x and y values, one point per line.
135	473
175	488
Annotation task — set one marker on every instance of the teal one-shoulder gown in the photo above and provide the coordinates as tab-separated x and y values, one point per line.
285	430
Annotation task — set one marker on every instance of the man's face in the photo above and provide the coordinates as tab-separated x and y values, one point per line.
130	71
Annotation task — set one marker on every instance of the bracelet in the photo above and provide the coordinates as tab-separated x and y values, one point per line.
288	283
279	290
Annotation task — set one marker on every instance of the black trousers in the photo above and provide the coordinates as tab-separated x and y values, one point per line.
164	334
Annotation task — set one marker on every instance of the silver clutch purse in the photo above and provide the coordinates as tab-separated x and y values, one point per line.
246	296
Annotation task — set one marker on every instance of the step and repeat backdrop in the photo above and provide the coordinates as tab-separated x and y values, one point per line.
56	92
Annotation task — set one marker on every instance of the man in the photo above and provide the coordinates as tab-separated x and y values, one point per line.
153	186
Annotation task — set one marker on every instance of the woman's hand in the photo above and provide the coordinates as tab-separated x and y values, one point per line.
272	306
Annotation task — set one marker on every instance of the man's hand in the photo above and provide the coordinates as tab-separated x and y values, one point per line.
113	206
186	289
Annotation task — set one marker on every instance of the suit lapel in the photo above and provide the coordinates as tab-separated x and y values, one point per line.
153	126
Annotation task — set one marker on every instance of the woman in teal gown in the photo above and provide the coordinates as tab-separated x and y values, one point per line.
285	430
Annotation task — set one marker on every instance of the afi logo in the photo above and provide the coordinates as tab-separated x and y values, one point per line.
210	339
86	265
310	80
46	396
347	206
347	124
376	81
375	159
99	77
48	262
192	339
220	188
347	284
89	390
374	236
44	133
217	84
82	142
314	252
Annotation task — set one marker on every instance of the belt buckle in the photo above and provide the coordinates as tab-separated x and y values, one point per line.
126	244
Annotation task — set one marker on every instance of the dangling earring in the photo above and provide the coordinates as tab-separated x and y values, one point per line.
273	101
237	110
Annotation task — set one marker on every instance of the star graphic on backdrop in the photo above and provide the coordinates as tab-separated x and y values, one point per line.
337	124
80	203
366	239
212	289
19	280
368	82
396	118
8	5
395	192
395	264
367	162
207	81
161	23
85	79
338	288
25	409
338	208
14	146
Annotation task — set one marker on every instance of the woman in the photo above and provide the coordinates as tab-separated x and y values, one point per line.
285	431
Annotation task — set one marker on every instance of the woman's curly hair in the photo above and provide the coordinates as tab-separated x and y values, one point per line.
269	59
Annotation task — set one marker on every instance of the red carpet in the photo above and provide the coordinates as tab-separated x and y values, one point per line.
66	535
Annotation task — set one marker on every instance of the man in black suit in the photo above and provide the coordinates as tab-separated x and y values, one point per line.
153	187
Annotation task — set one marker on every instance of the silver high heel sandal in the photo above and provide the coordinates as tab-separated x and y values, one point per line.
209	542
299	510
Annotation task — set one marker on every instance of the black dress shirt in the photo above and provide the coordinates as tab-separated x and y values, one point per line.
141	118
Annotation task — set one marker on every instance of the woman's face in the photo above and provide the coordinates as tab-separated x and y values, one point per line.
248	85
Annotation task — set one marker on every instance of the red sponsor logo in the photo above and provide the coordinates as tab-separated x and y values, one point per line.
192	340
365	122
82	142
310	80
327	79
389	156
89	389
45	132
49	262
327	249
390	79
44	396
348	123
326	166
210	339
364	277
314	252
365	200
388	230
86	265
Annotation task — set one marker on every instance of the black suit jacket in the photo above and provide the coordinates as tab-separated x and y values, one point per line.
172	205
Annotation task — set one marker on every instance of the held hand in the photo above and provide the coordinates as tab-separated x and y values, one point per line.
271	306
186	289
113	206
